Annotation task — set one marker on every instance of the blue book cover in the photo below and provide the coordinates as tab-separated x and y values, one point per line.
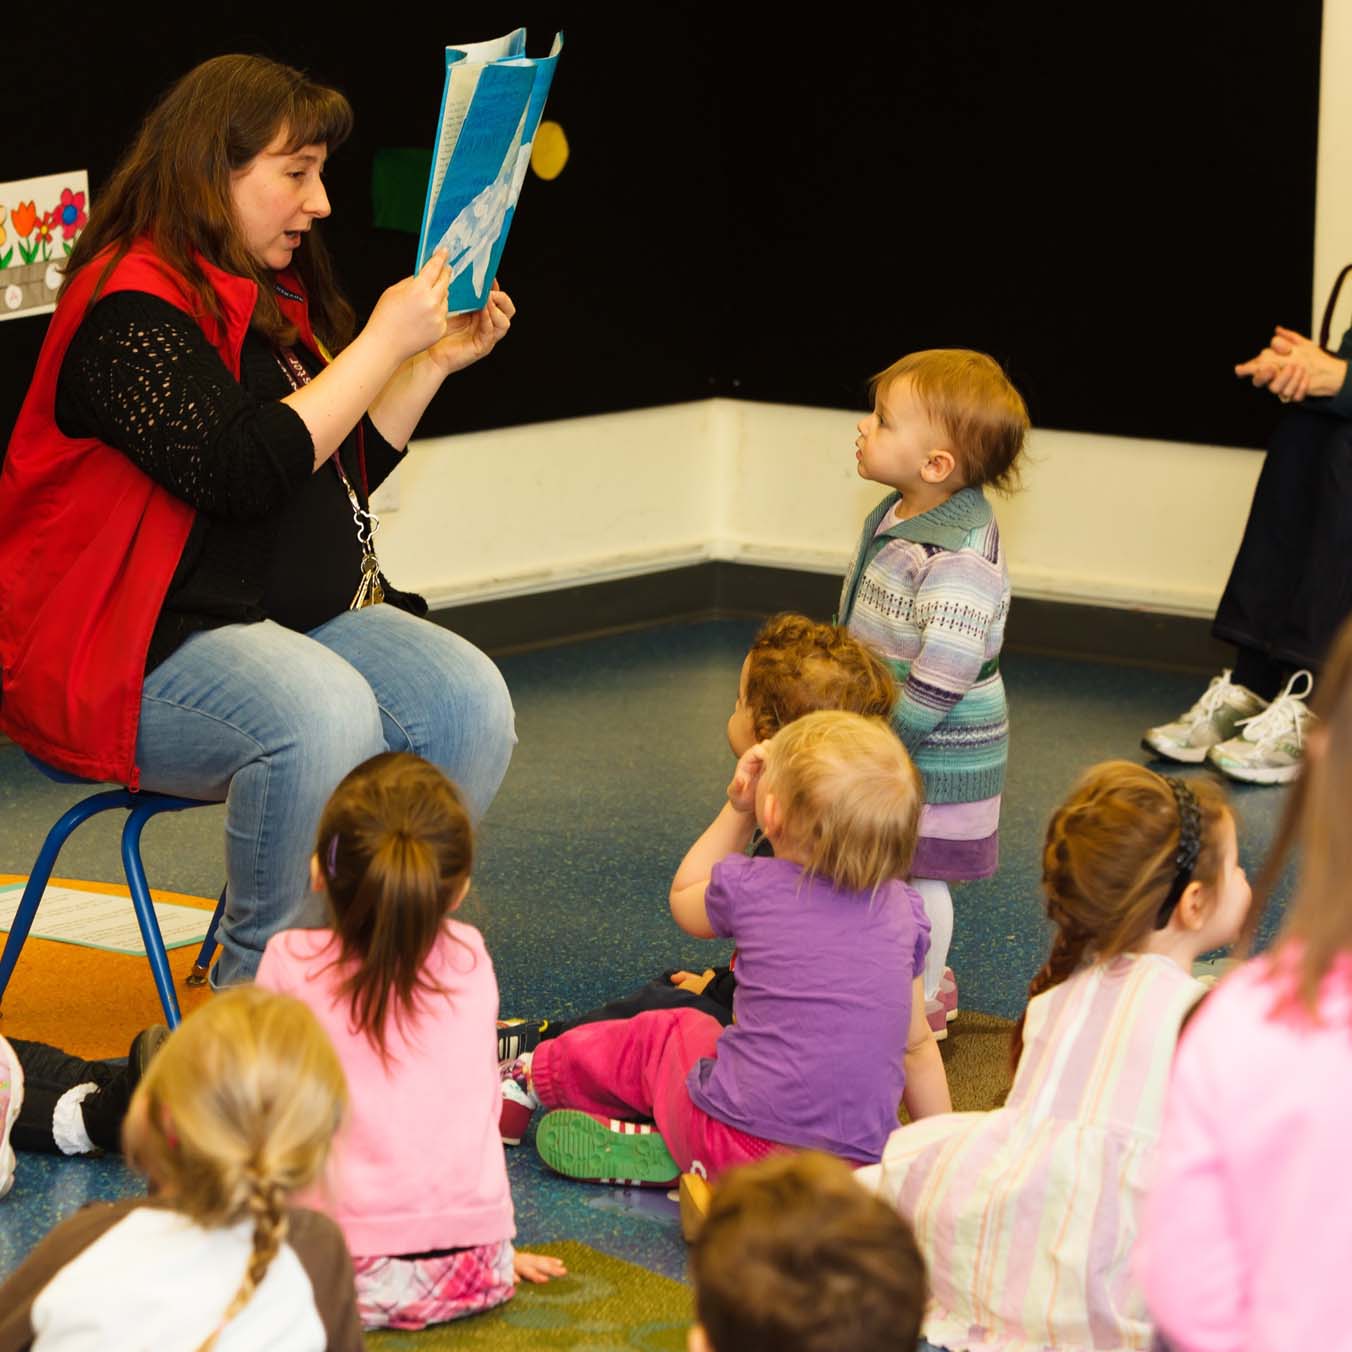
491	104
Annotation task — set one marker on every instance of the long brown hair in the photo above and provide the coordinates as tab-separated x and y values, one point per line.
234	1114
1109	861
395	849
1317	930
173	185
798	665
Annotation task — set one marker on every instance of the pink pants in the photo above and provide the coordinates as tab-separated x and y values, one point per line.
636	1069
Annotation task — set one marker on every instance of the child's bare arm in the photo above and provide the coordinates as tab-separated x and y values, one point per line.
729	833
926	1091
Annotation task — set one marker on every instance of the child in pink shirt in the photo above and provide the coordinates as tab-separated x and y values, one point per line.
1249	1223
417	1179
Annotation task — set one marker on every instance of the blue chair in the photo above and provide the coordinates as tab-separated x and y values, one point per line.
140	807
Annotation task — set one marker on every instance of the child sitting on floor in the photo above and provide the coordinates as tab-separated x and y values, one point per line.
795	666
1027	1215
418	1180
234	1115
929	591
61	1104
795	1256
830	1033
1248	1225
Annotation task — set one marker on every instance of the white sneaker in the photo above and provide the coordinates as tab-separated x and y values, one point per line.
1211	720
1272	745
11	1100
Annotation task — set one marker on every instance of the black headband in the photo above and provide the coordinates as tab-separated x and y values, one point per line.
1189	846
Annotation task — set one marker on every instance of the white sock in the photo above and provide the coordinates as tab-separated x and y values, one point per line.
68	1124
939	908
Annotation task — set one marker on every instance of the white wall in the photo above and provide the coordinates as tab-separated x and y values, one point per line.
1112	520
1333	192
1117	521
535	508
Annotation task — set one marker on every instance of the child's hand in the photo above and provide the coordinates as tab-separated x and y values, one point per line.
742	790
537	1267
695	982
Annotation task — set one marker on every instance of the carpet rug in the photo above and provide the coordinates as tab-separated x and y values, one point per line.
603	1305
87	1001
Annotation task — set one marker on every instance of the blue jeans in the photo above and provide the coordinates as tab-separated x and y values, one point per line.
268	721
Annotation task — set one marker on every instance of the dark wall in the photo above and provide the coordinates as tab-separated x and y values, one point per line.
1107	203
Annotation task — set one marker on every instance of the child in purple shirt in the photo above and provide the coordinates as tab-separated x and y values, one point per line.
830	1033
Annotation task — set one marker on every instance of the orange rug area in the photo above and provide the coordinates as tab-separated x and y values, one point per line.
87	1001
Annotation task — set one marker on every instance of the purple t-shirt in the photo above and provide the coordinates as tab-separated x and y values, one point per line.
823	1001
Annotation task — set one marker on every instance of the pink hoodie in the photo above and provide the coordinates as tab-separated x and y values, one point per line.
418	1161
1248	1226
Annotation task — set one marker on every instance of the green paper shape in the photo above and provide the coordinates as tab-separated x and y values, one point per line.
399	188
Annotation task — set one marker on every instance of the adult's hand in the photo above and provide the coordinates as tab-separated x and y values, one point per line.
1294	368
410	316
469	338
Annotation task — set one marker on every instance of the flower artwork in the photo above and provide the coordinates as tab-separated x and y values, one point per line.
40	222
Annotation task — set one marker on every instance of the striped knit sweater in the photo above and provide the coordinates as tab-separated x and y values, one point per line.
930	595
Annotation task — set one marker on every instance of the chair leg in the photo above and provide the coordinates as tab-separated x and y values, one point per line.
42	871
198	975
145	913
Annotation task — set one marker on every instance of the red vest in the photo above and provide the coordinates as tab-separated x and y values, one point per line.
89	543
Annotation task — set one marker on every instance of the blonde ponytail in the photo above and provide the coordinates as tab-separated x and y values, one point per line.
267	1204
234	1114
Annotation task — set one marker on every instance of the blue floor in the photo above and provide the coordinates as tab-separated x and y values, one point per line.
622	761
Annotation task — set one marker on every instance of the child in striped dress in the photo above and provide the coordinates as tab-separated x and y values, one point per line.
929	591
1027	1215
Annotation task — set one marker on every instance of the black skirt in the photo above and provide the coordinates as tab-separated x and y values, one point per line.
1291	584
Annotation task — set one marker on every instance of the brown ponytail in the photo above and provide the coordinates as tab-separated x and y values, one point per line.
1108	864
396	849
1317	931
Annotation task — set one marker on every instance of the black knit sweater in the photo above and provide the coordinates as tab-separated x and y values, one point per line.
273	538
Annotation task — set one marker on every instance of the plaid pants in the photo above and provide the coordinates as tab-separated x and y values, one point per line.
410	1293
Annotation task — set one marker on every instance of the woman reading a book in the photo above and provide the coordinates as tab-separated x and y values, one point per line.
191	601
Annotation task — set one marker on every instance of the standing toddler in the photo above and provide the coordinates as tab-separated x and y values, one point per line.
929	591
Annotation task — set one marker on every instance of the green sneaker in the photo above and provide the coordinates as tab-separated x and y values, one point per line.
1211	720
1271	745
605	1150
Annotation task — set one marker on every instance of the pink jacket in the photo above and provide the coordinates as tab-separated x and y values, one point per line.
1248	1226
418	1161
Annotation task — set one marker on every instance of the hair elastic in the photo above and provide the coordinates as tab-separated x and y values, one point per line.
1189	846
333	854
